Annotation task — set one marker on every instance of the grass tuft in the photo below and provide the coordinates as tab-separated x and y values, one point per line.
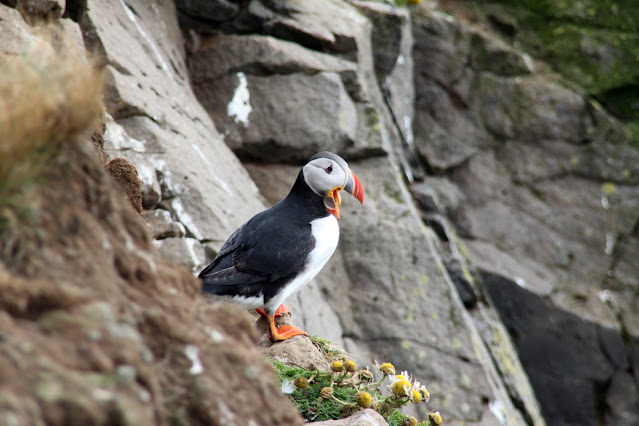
48	97
309	401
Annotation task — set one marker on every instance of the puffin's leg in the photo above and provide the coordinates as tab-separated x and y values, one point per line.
284	332
281	311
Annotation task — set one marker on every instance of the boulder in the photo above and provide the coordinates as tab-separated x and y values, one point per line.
281	117
297	351
257	54
162	224
330	26
365	417
187	252
277	101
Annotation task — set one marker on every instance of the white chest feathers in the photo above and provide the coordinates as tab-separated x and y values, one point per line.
325	231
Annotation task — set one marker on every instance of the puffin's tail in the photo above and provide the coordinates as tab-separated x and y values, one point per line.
220	290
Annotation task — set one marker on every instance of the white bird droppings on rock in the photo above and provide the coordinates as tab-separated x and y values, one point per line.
497	409
185	219
116	139
240	107
605	296
610	243
192	353
216	336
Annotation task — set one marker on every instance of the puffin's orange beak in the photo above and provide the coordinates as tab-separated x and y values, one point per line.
353	187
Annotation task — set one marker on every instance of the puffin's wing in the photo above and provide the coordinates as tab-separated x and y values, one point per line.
227	249
262	251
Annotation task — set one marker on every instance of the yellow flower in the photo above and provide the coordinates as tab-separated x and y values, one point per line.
435	418
337	366
425	393
387	368
326	392
350	366
401	387
415	396
363	399
301	382
411	421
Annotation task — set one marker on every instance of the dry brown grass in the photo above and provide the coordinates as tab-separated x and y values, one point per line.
48	97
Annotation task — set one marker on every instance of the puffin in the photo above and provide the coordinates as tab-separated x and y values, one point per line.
280	250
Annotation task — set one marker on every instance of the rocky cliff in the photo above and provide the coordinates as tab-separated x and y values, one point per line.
493	257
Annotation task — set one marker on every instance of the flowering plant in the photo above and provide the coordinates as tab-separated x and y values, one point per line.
334	394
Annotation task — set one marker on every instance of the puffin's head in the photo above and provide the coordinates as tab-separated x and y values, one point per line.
327	174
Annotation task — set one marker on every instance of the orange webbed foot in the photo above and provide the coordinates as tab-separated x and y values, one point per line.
281	311
284	332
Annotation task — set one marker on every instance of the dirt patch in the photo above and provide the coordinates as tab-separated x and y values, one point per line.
127	176
96	327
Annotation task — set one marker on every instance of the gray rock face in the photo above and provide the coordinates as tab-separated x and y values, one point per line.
274	116
277	101
193	12
17	36
149	95
543	191
386	284
583	361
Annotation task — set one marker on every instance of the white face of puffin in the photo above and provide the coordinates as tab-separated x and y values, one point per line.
327	174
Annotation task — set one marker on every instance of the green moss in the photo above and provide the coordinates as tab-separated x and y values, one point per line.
591	42
608	188
396	419
326	348
400	419
633	126
309	401
598	59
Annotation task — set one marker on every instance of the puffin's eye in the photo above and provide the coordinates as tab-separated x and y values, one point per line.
329	169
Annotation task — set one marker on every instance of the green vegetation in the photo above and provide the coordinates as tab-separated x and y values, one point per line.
329	351
335	394
593	43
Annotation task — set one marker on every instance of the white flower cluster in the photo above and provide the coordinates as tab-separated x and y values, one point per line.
404	385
